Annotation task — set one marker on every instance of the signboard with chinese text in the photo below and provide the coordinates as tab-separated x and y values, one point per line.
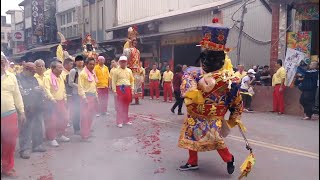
181	39
292	61
37	16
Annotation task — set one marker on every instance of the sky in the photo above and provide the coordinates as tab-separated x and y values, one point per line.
9	5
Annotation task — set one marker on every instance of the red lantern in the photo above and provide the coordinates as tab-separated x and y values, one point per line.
135	27
215	20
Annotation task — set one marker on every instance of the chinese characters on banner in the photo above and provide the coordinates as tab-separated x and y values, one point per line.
300	41
292	61
37	9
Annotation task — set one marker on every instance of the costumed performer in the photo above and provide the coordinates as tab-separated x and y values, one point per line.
209	93
133	54
89	47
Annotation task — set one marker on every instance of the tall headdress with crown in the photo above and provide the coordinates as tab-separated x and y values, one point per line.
215	38
89	47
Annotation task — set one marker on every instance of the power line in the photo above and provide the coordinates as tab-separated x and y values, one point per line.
244	10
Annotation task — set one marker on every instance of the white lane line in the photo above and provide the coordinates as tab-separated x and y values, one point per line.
238	138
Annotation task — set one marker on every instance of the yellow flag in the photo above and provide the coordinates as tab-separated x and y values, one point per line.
59	53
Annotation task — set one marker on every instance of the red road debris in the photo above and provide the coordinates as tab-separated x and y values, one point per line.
47	177
160	170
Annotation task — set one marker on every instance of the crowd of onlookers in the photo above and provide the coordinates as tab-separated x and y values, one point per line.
306	79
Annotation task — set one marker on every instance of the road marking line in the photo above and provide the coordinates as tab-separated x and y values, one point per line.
276	146
238	138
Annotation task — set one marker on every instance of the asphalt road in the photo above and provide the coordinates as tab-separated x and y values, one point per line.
285	147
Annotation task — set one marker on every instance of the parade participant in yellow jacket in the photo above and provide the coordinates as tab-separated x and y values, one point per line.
167	84
114	67
12	68
40	68
56	123
123	86
103	76
154	81
88	93
11	105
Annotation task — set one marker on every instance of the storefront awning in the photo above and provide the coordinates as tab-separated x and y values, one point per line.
43	48
294	1
142	55
155	34
19	55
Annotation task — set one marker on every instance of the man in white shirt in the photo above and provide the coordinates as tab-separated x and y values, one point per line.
246	90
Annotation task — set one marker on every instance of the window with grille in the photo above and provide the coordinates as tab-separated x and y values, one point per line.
2	36
69	18
63	19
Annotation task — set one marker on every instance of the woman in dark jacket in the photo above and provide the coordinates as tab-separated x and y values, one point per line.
177	80
307	83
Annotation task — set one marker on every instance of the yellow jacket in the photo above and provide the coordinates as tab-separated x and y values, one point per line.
11	98
103	76
85	86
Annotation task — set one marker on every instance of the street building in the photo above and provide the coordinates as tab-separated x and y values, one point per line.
5	35
16	43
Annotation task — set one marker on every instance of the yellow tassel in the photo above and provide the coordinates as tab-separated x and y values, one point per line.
246	166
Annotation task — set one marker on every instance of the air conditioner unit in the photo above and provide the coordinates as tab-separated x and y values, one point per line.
152	27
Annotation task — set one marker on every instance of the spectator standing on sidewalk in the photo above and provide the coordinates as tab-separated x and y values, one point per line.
308	85
241	72
177	80
265	77
246	90
316	104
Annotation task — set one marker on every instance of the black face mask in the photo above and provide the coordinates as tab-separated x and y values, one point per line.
89	47
211	60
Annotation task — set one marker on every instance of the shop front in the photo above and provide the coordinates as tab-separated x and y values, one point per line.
295	25
180	48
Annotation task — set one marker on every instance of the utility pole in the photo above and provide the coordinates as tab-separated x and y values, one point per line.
244	10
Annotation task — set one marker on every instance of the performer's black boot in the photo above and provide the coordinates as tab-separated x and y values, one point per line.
188	167
230	166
